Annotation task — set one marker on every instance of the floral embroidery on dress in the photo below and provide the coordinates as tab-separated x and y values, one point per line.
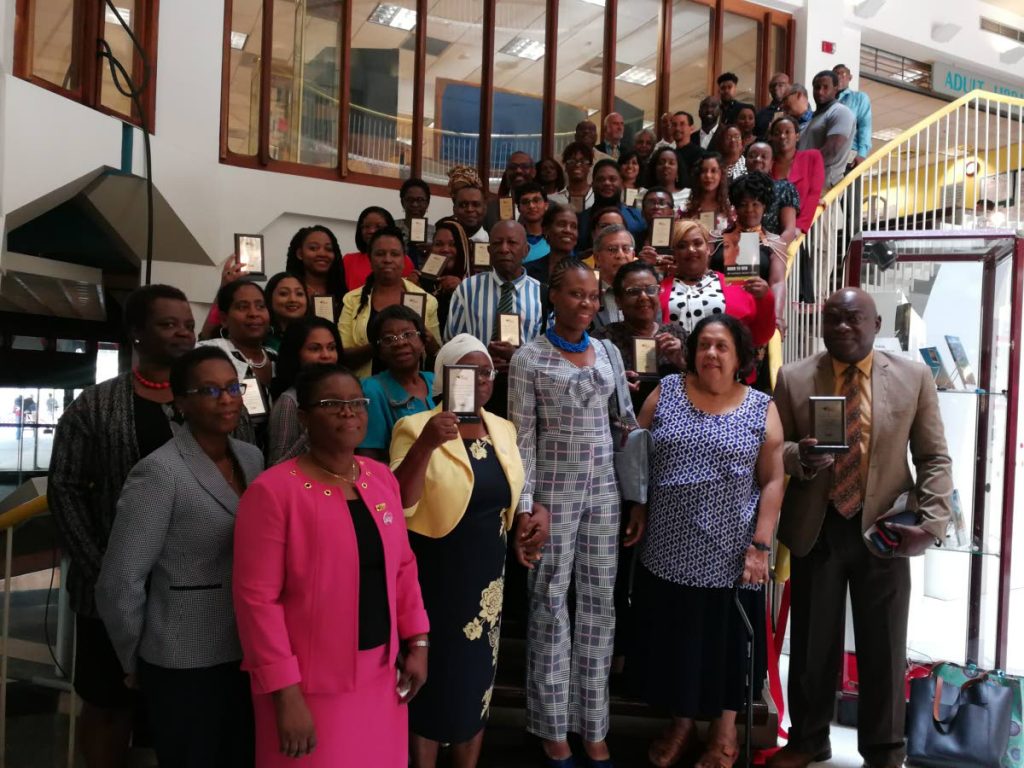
490	602
486	702
474	630
478	449
490	613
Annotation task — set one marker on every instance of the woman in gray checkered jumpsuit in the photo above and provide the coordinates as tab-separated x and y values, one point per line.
559	400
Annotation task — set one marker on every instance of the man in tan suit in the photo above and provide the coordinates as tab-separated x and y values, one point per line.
830	502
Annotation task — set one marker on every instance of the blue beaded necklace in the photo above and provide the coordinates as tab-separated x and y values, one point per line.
567	346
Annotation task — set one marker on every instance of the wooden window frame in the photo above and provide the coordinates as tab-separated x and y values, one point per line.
88	23
765	17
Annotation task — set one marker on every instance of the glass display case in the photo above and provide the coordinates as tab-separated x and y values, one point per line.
953	301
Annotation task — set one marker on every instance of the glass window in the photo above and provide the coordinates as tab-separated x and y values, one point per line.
578	69
741	53
304	82
692	27
451	99
636	64
516	120
381	89
121	48
52	42
778	52
246	42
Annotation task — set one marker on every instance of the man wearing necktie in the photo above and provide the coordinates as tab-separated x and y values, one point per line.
831	500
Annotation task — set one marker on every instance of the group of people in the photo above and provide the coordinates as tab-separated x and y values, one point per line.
284	542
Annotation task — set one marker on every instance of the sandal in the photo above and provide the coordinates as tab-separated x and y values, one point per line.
669	748
720	754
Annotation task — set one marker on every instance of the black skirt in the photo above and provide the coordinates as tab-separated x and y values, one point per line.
689	654
462	579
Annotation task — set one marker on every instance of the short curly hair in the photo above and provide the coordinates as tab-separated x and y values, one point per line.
756	185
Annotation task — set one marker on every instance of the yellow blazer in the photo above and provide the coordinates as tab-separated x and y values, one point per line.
353	322
449	480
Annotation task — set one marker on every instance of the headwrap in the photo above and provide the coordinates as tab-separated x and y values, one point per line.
462	176
451	353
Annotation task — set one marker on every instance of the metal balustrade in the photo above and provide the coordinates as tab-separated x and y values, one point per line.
958	169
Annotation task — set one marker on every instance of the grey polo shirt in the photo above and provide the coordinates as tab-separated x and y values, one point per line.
835	119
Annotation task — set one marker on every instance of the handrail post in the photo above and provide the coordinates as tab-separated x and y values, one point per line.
4	632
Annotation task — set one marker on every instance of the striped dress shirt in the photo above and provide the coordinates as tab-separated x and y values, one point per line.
474	307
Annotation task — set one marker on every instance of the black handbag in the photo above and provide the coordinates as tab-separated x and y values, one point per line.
958	727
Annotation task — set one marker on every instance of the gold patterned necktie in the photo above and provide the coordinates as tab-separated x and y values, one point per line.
846	495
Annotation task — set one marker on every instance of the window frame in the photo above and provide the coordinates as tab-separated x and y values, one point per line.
91	67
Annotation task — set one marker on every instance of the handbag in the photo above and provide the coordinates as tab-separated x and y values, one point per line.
958	726
633	447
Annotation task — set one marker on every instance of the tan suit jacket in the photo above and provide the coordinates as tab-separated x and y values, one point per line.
904	411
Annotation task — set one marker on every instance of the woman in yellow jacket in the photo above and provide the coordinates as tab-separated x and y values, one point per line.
460	484
383	288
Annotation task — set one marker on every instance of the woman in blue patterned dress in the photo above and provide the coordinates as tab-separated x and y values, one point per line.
559	391
716	490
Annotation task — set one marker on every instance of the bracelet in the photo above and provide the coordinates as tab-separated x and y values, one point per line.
418	644
760	547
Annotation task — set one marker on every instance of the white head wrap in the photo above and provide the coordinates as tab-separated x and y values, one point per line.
452	352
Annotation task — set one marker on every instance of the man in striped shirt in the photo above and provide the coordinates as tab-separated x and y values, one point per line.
504	289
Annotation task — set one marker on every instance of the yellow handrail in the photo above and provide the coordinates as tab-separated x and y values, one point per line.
23	512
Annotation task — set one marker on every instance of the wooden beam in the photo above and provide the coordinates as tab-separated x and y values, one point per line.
608	66
266	55
550	100
483	156
764	42
664	65
419	88
225	80
344	85
717	36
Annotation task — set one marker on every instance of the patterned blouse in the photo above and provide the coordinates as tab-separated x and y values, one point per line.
688	304
784	196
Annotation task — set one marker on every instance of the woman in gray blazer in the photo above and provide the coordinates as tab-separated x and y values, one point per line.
164	590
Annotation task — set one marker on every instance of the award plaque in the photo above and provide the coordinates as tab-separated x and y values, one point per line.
963	365
576	202
417	302
629	197
460	391
661	233
506	209
748	260
707	220
417	230
323	306
645	356
252	399
434	264
249	251
828	424
508	329
481	256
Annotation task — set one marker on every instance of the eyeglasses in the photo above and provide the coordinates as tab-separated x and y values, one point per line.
532	201
519	166
641	290
576	161
393	340
235	390
624	249
486	374
335	407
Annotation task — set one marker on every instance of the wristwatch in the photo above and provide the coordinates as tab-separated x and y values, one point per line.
761	547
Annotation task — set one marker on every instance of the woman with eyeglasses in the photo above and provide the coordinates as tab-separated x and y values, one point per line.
560	386
578	158
164	590
383	288
310	341
460	484
329	610
357	264
729	144
402	388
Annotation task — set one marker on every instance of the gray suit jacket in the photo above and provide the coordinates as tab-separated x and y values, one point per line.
174	529
904	412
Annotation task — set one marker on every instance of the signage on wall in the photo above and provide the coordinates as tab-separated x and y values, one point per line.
954	81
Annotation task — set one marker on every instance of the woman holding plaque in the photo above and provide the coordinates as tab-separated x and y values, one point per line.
309	341
709	202
402	389
560	387
663	172
631	169
716	489
357	264
460	485
314	257
385	287
446	266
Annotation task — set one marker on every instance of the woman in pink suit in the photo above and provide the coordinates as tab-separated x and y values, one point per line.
327	598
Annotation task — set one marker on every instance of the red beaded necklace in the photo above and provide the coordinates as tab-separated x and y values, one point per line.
149	384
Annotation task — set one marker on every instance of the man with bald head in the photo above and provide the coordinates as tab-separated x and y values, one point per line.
503	289
614	128
778	87
831	501
710	113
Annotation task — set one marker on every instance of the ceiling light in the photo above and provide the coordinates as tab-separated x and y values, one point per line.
638	76
595	2
394	16
524	48
238	40
943	33
591	111
868	8
111	18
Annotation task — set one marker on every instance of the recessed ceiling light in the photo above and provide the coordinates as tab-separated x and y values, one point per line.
524	48
238	40
393	16
591	111
595	2
638	76
111	17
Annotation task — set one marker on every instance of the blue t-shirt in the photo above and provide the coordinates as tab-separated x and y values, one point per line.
389	402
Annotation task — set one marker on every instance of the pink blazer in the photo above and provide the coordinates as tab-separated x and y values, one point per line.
296	578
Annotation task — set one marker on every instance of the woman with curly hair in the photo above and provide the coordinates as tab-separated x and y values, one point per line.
711	193
315	258
357	263
458	479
